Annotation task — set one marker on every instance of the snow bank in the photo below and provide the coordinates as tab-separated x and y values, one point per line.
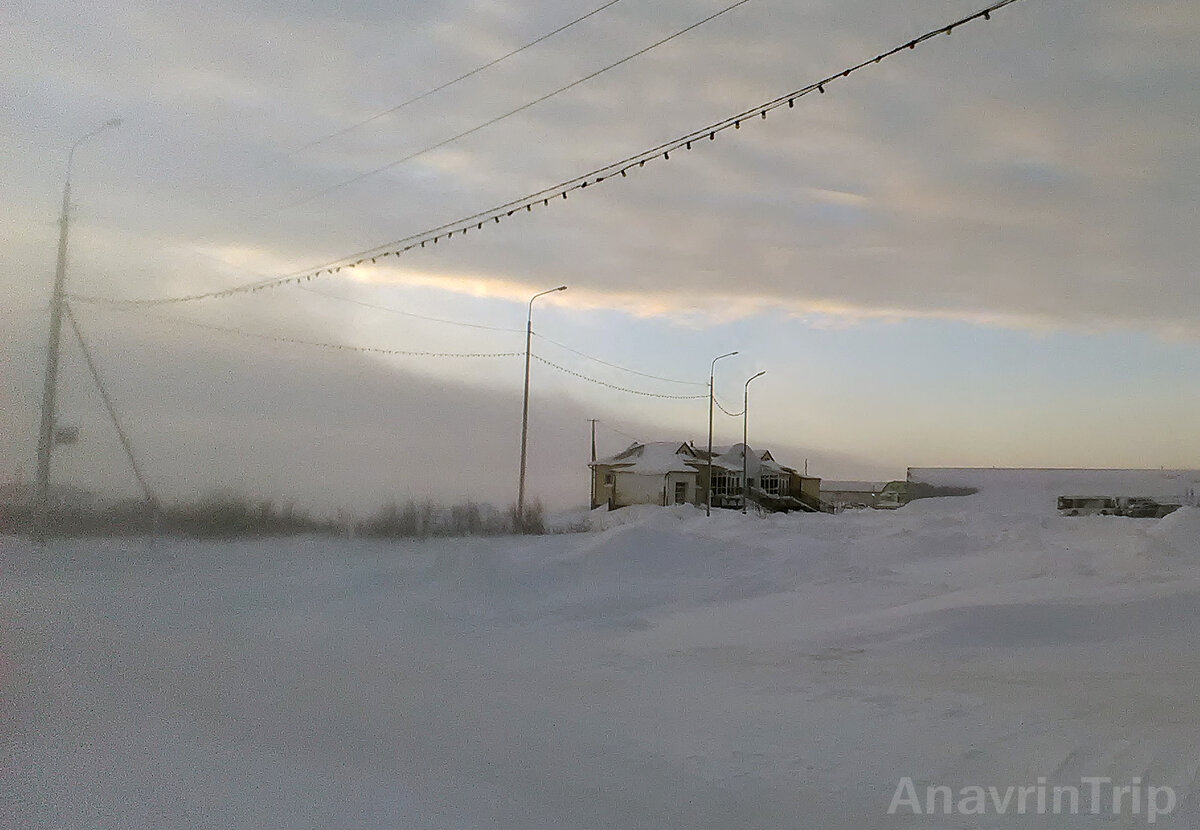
1036	491
1180	530
663	670
641	514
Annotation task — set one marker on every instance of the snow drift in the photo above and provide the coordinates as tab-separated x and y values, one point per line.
662	670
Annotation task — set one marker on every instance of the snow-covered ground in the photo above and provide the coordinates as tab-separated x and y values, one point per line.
1037	490
662	671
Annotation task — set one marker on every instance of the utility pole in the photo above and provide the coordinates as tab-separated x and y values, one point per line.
745	428
592	477
46	433
50	388
712	368
525	404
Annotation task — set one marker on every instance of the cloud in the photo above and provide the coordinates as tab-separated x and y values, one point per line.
1018	172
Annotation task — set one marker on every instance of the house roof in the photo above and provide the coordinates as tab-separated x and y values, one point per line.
730	458
654	457
658	457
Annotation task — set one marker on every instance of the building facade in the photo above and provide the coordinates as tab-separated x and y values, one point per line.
665	473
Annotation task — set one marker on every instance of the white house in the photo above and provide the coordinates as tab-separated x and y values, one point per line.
659	472
668	472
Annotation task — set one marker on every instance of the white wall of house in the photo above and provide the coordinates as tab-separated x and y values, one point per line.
633	488
691	493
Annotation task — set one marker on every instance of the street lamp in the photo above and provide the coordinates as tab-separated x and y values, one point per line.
46	433
525	404
711	370
745	464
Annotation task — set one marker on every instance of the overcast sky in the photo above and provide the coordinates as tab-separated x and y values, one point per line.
981	252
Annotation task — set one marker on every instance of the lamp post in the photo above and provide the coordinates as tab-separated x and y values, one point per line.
46	432
711	371
525	404
745	463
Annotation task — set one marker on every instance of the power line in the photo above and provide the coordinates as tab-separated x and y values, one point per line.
392	310
494	215
565	370
343	347
717	401
614	365
444	142
611	428
95	300
295	341
448	84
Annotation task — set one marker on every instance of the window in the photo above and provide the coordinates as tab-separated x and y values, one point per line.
608	478
680	492
724	484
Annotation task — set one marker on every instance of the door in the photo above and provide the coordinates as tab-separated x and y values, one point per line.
681	492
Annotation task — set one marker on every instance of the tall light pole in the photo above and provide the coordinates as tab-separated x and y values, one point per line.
712	368
745	463
46	433
525	404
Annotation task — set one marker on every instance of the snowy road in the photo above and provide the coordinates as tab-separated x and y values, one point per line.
667	672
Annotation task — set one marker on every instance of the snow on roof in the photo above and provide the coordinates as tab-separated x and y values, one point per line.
730	458
654	458
675	456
